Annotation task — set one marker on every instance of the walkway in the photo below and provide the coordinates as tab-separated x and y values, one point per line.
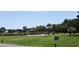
9	45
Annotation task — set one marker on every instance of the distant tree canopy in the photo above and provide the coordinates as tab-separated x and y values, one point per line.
67	26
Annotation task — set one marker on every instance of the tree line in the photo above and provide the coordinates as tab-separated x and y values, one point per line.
67	26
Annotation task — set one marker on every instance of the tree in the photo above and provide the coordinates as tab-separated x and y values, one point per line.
19	30
77	15
41	29
49	27
32	31
11	30
66	21
2	30
75	23
71	30
69	24
54	28
24	29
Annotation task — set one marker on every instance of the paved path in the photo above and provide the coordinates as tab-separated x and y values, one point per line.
9	45
38	35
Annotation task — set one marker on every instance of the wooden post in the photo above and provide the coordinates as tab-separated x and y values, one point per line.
55	45
2	41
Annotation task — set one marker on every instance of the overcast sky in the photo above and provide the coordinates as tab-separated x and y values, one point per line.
18	19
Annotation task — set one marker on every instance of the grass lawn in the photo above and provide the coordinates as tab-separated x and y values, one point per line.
42	41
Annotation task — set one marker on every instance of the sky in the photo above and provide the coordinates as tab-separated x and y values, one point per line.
18	19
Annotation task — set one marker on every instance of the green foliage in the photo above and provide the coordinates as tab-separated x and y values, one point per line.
72	29
48	29
49	25
2	30
24	28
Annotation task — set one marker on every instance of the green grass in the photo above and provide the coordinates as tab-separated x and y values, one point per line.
43	41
